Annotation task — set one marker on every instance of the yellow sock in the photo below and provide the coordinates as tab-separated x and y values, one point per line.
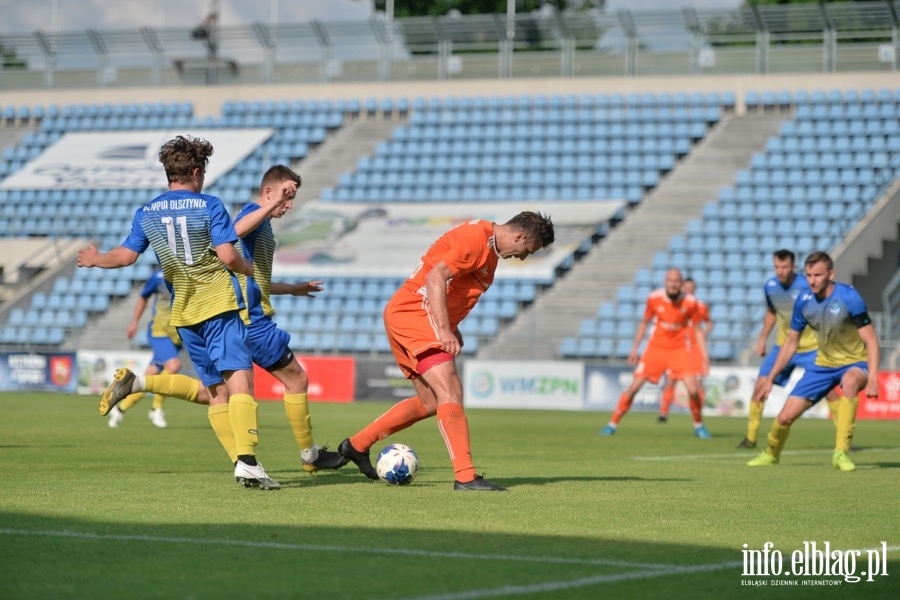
296	407
221	424
175	385
157	401
846	424
833	406
242	415
754	420
130	400
778	435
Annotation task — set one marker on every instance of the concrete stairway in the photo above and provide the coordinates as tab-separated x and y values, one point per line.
11	135
663	213
339	153
107	332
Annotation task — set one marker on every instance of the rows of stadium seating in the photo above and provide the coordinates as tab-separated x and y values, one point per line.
771	99
349	312
575	150
67	307
62	212
632	100
829	163
812	183
57	212
422	105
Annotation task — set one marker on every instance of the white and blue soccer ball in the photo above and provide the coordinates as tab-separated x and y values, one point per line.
397	464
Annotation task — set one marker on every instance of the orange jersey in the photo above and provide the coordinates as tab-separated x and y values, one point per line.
468	250
674	319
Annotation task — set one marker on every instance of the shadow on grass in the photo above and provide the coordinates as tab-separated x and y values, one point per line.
343	478
513	481
271	559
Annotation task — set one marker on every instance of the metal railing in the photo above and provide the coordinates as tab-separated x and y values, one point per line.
754	39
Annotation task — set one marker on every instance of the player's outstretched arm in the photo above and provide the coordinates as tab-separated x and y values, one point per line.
250	221
114	259
304	288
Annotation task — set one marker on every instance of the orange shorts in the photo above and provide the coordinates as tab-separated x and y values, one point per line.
410	330
678	364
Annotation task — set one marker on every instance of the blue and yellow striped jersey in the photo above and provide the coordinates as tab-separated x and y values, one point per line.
833	321
161	309
184	228
257	246
781	300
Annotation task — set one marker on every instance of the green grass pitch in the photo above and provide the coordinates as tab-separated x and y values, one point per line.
652	512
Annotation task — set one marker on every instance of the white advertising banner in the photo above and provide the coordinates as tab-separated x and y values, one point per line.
96	368
728	392
345	239
522	384
126	159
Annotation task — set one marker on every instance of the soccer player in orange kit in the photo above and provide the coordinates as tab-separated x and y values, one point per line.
705	326
668	351
422	323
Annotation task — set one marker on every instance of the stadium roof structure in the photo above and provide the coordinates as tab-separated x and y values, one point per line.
330	45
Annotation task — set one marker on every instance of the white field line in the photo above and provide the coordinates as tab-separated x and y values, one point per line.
749	455
650	570
312	547
555	586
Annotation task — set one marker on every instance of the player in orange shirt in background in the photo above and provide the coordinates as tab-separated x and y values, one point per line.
668	351
422	323
704	326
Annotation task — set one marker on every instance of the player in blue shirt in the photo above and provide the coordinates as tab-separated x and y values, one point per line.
848	356
195	244
164	341
781	292
268	344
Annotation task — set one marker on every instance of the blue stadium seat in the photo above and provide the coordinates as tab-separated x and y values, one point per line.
8	334
721	351
606	311
622	348
625	329
626	312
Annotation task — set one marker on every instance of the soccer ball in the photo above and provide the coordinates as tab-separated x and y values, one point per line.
397	464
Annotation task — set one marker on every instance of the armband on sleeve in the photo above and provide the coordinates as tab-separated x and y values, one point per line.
862	320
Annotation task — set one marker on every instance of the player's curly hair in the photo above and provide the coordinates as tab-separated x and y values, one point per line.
536	225
181	155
